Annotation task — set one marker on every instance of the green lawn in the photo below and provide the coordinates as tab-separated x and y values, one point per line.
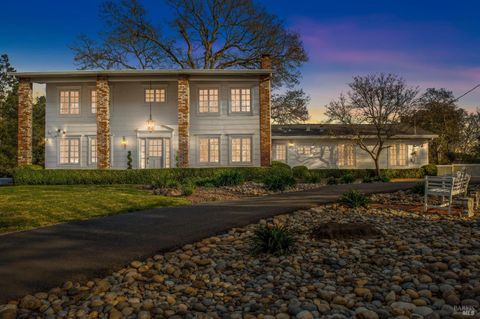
26	207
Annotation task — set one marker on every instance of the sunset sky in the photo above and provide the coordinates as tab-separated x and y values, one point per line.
429	43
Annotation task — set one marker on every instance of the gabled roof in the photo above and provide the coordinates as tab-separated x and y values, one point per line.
342	130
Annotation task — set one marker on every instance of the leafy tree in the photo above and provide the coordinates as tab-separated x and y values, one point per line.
210	34
378	100
9	121
438	113
290	107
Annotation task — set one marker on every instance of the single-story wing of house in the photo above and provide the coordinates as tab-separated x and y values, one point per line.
318	146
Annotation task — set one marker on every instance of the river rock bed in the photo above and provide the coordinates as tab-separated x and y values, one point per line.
419	267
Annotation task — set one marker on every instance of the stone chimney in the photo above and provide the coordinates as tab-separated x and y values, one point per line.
265	101
266	62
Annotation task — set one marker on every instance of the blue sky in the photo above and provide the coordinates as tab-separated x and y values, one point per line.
429	43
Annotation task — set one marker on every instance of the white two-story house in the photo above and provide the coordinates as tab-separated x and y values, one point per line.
158	118
186	118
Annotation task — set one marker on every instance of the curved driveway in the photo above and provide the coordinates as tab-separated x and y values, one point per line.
40	259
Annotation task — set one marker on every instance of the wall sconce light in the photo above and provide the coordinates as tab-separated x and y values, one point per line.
61	132
124	142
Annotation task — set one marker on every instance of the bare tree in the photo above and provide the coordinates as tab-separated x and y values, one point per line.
290	107
208	34
379	101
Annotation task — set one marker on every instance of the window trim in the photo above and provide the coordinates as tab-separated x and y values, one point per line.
208	88
89	150
59	151
345	159
303	147
60	89
208	163
230	111
155	87
241	162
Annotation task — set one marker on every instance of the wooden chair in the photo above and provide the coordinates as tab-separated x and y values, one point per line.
445	187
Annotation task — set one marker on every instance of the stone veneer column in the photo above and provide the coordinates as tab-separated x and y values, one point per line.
103	123
183	120
25	110
265	102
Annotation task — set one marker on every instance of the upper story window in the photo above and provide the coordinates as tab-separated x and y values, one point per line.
208	100
69	102
154	95
240	100
209	149
70	151
241	149
398	155
346	154
280	152
93	101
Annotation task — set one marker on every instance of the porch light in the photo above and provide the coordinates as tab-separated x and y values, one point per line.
150	125
124	143
150	121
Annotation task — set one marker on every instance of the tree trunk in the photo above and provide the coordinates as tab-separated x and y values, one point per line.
377	167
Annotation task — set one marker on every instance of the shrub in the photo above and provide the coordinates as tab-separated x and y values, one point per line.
332	180
229	178
418	188
205	181
367	179
300	172
381	178
279	179
275	240
280	164
354	199
312	178
430	170
187	187
347	179
129	160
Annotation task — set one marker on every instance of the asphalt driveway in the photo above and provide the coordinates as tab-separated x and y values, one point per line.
40	259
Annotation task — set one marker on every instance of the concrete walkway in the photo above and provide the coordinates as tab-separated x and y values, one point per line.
40	259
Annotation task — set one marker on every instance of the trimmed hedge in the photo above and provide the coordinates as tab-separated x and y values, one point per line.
27	176
34	176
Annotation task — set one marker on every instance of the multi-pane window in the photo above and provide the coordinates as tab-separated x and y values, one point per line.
167	152
93	150
304	150
241	149
154	95
240	100
398	155
93	101
70	151
208	100
280	152
346	154
69	102
209	149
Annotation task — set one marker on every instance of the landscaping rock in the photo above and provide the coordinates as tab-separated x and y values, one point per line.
419	266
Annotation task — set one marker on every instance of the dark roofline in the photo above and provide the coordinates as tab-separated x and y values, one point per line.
330	131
